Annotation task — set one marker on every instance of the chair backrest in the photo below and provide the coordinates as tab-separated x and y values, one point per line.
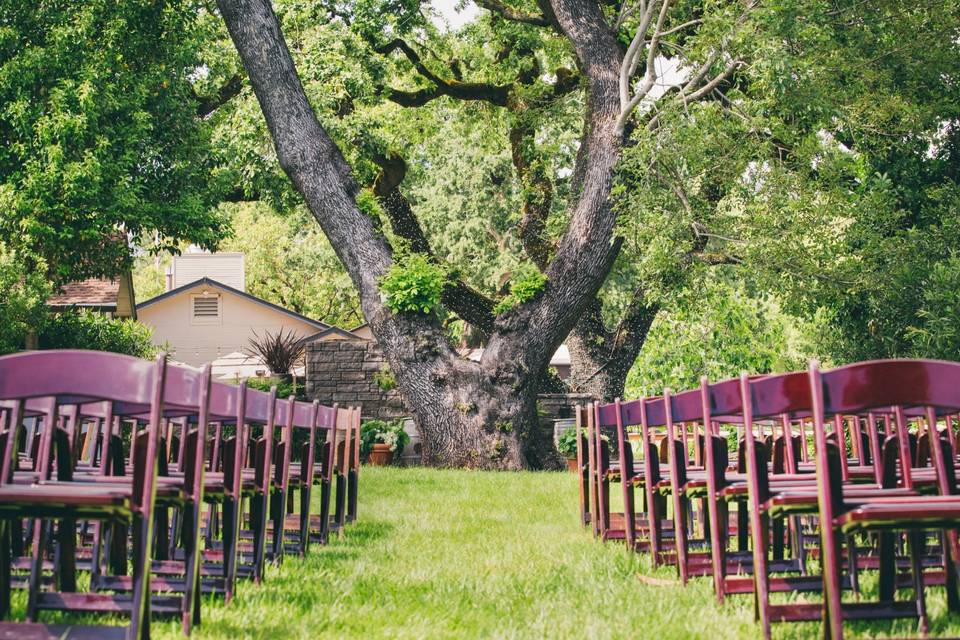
908	385
75	377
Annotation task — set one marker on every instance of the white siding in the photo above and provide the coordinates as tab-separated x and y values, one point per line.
195	344
226	268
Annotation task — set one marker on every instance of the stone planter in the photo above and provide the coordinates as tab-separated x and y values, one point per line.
572	465
380	455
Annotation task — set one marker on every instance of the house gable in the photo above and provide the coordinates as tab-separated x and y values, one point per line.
206	320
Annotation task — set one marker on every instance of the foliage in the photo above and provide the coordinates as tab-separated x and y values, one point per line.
386	432
149	275
823	175
718	331
100	135
384	379
84	329
413	284
567	443
23	294
937	332
524	285
280	351
289	262
285	388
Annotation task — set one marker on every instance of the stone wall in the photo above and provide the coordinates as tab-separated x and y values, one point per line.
343	371
559	406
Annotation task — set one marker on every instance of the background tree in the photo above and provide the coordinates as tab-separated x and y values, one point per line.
23	300
100	137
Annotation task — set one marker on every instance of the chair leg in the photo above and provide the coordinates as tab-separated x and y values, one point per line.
852	568
229	528
950	565
278	511
117	540
36	567
341	511
324	511
191	574
161	528
743	538
352	488
916	554
140	601
759	531
66	555
830	561
257	523
680	535
6	561
887	552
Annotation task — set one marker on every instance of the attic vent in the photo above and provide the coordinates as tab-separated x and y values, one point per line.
206	309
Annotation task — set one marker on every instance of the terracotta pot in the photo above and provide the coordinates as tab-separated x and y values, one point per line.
572	465
380	455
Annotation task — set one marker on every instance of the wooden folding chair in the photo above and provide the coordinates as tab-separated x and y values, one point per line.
71	378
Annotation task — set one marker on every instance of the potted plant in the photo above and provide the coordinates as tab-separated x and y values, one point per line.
381	441
567	446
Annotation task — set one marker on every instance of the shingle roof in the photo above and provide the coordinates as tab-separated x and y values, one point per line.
94	292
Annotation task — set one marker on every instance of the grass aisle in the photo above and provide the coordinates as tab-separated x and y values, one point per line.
457	554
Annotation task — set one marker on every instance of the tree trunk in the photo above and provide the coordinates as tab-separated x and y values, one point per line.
468	421
600	359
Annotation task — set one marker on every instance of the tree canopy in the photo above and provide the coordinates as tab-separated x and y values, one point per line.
101	143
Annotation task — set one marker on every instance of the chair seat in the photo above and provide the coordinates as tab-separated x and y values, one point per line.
66	499
903	513
804	500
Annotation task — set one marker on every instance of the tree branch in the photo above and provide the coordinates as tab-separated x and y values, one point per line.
458	296
492	93
511	14
229	90
538	195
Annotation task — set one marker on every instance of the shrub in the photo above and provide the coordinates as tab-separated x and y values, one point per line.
285	388
384	379
23	294
279	351
387	432
526	283
83	329
413	284
567	443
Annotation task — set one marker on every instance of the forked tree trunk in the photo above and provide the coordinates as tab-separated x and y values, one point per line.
469	414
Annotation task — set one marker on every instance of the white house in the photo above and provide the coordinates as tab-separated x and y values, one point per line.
202	318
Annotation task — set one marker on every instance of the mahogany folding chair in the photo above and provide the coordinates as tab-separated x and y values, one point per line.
932	386
321	421
260	408
583	472
71	378
176	563
346	459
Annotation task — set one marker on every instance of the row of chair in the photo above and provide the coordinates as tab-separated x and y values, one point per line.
129	487
848	470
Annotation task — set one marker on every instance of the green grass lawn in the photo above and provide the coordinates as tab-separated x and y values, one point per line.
455	554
